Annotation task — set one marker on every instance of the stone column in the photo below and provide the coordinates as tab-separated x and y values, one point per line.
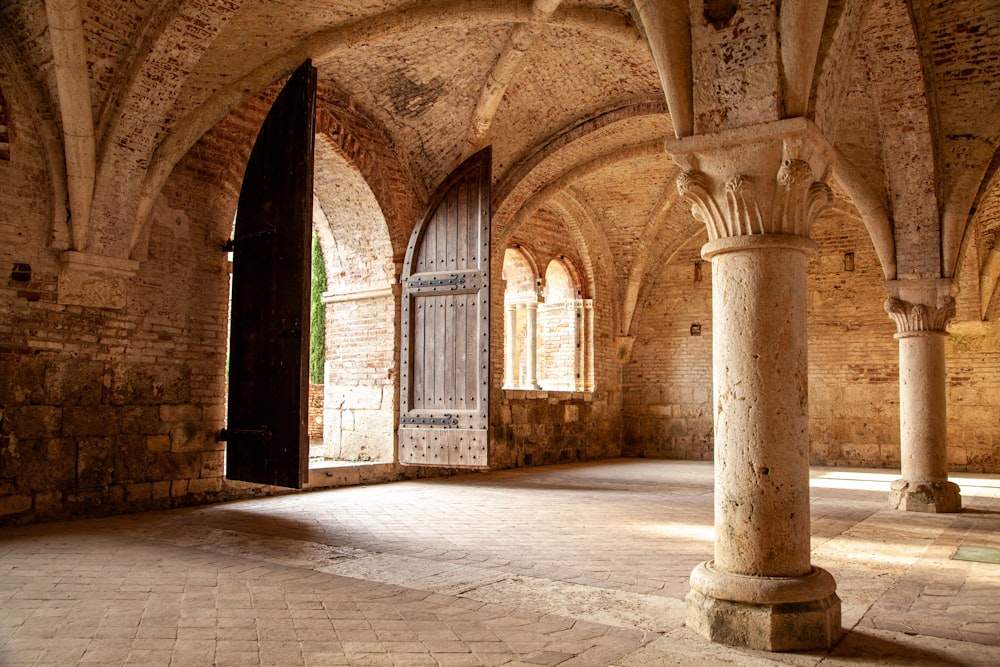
531	345
588	344
510	346
579	329
758	189
921	310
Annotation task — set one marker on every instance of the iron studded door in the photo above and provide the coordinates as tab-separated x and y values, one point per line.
445	343
269	332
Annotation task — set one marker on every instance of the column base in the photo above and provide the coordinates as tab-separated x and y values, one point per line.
768	613
939	497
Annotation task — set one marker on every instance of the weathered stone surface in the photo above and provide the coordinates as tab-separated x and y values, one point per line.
800	626
925	496
34	421
22	381
74	382
180	413
90	420
46	464
192	437
14	504
151	384
920	324
141	419
95	463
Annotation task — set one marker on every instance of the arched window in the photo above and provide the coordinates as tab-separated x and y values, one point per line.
520	311
565	323
548	340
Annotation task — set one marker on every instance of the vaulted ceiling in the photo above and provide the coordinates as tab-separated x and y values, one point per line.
567	93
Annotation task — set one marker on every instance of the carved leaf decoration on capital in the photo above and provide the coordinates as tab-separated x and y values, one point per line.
799	198
696	187
743	214
912	317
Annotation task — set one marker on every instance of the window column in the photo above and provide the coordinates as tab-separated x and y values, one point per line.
531	345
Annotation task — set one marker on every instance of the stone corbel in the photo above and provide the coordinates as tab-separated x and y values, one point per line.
623	348
94	281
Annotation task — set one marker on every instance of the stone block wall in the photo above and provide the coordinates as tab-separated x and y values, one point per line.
361	379
543	428
106	409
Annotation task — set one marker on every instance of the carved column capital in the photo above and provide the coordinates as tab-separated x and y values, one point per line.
734	208
914	318
919	307
765	179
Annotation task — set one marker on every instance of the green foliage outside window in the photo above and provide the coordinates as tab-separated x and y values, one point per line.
317	315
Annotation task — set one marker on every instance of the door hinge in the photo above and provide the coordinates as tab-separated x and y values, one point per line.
255	236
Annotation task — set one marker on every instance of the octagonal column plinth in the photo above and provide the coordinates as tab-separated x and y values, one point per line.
758	190
921	318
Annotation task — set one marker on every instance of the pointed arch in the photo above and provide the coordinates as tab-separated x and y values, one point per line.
29	93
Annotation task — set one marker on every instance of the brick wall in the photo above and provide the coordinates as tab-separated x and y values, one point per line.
361	379
109	409
560	344
668	381
853	364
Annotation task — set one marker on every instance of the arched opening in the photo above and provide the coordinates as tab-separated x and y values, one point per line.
358	389
548	325
565	331
520	311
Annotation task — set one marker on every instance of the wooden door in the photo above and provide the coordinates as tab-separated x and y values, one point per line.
269	330
445	341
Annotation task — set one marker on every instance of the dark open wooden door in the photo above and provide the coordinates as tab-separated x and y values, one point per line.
444	390
269	339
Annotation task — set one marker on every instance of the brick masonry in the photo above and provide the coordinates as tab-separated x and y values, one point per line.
853	361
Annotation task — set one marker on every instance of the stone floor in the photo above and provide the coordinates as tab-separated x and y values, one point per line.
569	565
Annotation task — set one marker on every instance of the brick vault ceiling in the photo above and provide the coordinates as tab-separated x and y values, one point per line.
581	112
